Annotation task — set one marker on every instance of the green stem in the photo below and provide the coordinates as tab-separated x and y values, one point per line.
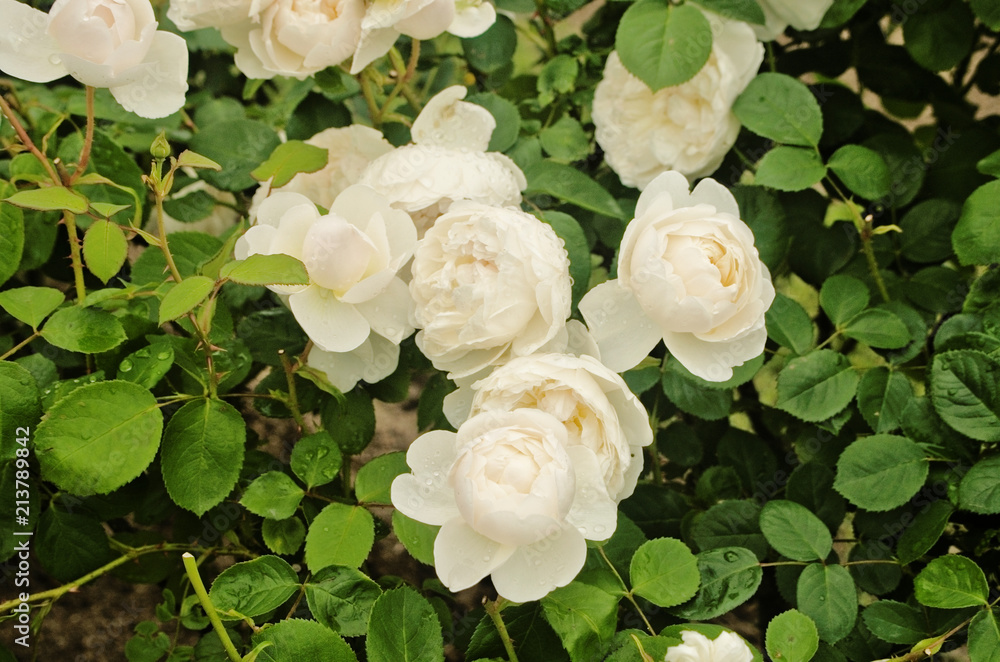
293	399
16	348
88	140
368	92
191	566
628	593
75	257
547	31
864	227
27	141
168	256
493	608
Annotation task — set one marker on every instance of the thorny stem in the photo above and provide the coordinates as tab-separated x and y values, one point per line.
27	141
493	608
864	226
628	593
191	566
163	238
88	140
74	254
293	399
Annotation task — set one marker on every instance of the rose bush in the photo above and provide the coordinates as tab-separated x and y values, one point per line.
101	43
688	274
514	499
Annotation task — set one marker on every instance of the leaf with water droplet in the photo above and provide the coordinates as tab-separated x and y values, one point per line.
729	577
316	459
141	367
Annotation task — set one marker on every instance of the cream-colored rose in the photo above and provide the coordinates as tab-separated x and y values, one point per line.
727	647
294	38
489	284
352	256
590	400
688	273
372	361
800	14
197	14
101	43
447	162
514	500
386	20
350	150
689	127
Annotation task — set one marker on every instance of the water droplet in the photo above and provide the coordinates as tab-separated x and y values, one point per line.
486	558
54	59
429	481
731	557
125	366
163	356
142	354
822	598
599	528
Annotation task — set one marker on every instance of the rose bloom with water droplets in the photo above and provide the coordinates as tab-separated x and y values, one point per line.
513	498
447	162
688	273
727	647
592	402
101	43
355	306
689	127
489	284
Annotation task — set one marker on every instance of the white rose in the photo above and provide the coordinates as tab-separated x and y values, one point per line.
800	14
448	162
592	402
101	43
727	647
372	361
350	150
198	14
221	218
296	39
352	256
513	500
489	284
688	273
688	127
386	20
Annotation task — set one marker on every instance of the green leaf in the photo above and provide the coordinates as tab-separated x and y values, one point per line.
11	237
19	407
843	297
572	186
87	330
729	577
927	230
104	249
748	11
184	296
951	582
375	478
792	636
340	535
663	45
53	198
975	239
839	13
191	206
493	49
979	491
788	324
938	38
575	241
203	439
253	588
148	365
189	159
283	536
565	141
965	390
507	116
989	13
191	250
862	170
258	269
403	627
826	594
730	523
816	386
926	529
790	169
879	328
665	572
31	305
781	108
350	420
584	617
273	495
794	531
70	545
289	159
880	472
895	622
984	633
296	640
341	599
693	398
238	146
417	537
882	397
99	437
558	76
316	459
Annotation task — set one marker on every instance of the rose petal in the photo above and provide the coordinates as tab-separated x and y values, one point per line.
447	121
463	557
594	513
714	361
624	334
26	49
331	324
535	570
161	89
389	312
473	19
